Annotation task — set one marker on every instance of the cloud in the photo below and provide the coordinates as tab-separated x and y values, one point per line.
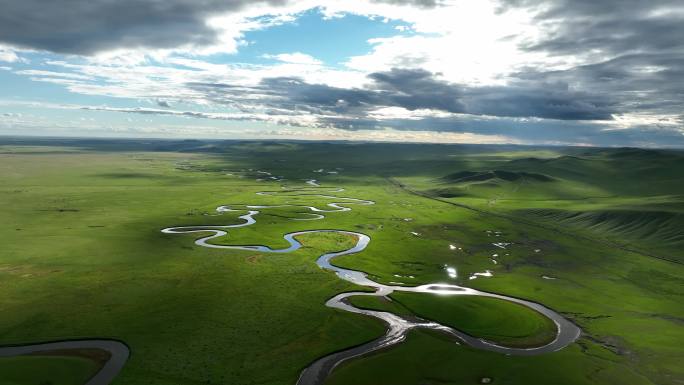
548	101
608	27
458	128
578	71
631	50
273	118
86	28
295	58
77	27
42	74
636	83
9	55
393	125
416	89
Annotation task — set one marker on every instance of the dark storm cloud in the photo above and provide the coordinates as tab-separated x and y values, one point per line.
416	89
635	47
410	89
85	27
636	82
611	26
419	89
634	51
538	108
549	101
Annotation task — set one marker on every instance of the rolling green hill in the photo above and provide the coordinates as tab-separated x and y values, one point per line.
661	230
626	195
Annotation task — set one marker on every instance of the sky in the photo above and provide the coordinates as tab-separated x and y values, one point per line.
557	72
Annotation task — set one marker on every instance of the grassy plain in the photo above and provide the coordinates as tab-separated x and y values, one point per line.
83	257
42	370
495	320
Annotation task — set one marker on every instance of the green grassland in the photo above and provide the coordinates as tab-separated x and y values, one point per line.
630	197
426	358
498	321
42	370
83	256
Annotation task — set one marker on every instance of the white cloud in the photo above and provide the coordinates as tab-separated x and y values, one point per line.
295	58
466	42
10	55
305	121
52	74
169	78
390	113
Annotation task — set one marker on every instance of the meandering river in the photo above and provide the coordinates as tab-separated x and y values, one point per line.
118	355
316	373
398	326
